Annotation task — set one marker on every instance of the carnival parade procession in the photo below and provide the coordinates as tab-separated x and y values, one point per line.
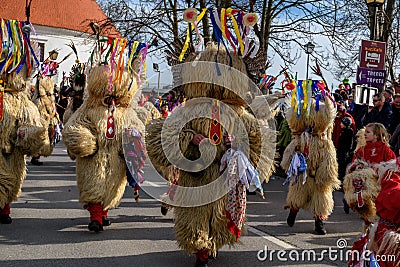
185	133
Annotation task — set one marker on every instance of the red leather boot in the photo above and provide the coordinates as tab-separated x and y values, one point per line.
5	214
202	258
105	220
96	216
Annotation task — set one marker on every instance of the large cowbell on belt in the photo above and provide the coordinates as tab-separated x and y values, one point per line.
110	133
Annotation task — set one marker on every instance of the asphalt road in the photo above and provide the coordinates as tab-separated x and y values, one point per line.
50	229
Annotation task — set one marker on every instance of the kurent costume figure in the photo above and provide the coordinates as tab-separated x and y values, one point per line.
206	228
45	101
375	193
94	132
147	113
310	158
386	236
76	89
209	213
21	130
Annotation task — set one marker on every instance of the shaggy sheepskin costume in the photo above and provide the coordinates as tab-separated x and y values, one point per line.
77	92
22	133
360	188
44	100
383	238
385	241
311	136
147	113
100	163
77	79
204	228
74	104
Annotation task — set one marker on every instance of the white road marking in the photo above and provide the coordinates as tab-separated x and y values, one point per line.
152	184
270	238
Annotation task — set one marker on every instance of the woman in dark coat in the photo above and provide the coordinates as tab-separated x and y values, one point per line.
344	150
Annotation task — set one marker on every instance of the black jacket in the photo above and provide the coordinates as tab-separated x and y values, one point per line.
384	116
344	151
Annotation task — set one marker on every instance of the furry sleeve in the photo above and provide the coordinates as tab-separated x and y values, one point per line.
262	148
326	164
34	134
290	150
79	139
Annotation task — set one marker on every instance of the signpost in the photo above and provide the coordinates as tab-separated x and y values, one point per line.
372	71
372	54
372	77
363	95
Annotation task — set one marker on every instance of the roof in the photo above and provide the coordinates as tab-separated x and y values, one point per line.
72	14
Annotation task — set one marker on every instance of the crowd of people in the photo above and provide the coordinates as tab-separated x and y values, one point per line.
366	139
166	103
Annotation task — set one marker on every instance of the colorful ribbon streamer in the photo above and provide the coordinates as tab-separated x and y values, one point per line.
304	91
118	54
15	44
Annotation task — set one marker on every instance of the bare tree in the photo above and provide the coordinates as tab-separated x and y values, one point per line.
389	18
337	26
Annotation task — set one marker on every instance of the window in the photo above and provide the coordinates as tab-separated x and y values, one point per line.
41	50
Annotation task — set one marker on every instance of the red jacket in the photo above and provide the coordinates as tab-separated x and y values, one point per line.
388	209
374	152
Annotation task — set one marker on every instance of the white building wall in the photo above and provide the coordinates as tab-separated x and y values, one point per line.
56	38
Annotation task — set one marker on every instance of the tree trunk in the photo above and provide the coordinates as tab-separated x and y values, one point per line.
386	32
224	3
175	30
206	29
388	15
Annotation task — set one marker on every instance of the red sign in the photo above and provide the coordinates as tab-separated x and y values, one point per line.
372	54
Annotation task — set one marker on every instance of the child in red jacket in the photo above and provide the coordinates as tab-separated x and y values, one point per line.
377	148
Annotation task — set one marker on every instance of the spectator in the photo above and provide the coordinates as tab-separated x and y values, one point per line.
344	150
395	113
359	112
346	85
164	110
337	129
62	103
337	96
381	112
351	104
377	148
388	94
394	141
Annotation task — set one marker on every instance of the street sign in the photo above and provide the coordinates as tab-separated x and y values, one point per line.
372	54
371	77
364	95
